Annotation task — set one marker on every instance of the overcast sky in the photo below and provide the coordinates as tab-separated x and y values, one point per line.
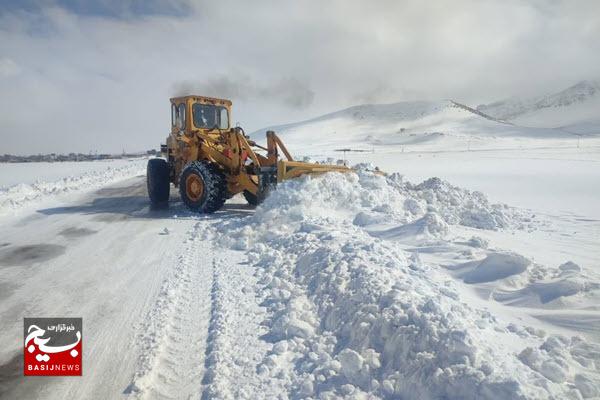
79	76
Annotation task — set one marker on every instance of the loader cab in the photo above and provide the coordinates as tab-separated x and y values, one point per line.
190	114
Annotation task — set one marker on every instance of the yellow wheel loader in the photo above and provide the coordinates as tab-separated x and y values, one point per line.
210	161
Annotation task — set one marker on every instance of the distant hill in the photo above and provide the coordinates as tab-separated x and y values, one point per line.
575	109
423	123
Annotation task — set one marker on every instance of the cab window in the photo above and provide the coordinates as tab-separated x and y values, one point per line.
208	116
223	118
181	116
174	115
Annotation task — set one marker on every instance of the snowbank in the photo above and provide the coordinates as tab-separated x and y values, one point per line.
469	208
355	315
17	196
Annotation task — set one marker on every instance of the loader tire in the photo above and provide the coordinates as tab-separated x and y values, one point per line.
157	181
251	198
203	187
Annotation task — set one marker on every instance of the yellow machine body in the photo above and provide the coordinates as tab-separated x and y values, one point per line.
246	165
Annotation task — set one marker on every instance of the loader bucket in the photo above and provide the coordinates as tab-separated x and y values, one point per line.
293	169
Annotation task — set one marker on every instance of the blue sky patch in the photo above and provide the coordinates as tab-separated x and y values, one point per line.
121	9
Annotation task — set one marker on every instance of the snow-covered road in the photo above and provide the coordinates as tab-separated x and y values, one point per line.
144	282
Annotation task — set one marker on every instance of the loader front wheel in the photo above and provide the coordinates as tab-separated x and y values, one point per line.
157	181
203	187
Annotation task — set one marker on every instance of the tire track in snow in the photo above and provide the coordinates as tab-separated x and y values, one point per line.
234	346
173	338
216	344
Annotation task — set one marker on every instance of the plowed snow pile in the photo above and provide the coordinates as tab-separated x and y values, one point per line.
355	314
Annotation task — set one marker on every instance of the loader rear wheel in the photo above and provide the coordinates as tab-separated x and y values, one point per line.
251	198
203	187
157	181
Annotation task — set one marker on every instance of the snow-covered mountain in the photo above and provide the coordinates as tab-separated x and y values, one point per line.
448	123
423	123
576	109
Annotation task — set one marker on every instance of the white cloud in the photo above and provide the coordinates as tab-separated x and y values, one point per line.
8	68
103	83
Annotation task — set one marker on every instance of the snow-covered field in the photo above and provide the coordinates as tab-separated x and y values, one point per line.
25	185
553	179
12	174
470	271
